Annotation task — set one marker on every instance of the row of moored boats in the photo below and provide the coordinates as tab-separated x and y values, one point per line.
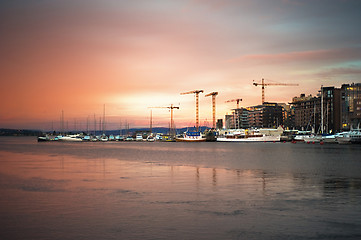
349	137
229	135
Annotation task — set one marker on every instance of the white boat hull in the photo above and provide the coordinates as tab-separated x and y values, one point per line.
190	140
250	139
70	139
191	137
312	139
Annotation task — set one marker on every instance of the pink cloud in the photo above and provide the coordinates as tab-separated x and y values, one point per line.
331	55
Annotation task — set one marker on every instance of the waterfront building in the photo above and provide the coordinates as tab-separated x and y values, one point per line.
273	115
255	116
350	105
229	121
219	124
288	115
306	112
238	119
331	109
268	115
308	115
241	116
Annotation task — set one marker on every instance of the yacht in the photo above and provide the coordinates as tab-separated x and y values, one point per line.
191	137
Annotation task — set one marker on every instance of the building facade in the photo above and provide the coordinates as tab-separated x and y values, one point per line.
321	114
350	106
331	98
331	111
268	115
219	124
306	113
238	119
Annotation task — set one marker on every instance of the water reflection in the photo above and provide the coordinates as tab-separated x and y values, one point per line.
153	193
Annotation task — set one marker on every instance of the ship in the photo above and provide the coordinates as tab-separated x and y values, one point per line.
252	135
189	136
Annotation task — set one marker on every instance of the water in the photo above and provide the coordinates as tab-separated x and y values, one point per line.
136	190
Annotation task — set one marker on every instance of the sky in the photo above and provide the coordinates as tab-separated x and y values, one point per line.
77	56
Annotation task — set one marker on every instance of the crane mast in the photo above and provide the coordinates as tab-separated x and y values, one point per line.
237	100
196	92
171	107
270	84
213	94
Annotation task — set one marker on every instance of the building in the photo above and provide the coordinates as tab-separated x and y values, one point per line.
229	122
322	114
331	109
268	115
272	115
238	119
255	116
219	124
288	115
350	105
306	112
241	117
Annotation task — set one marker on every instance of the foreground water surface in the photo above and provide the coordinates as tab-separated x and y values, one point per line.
141	190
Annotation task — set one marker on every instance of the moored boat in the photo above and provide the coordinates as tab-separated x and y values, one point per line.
252	135
355	136
343	138
249	138
329	138
312	139
44	138
301	135
71	138
150	138
191	137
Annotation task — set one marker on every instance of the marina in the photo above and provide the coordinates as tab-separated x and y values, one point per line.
181	120
224	135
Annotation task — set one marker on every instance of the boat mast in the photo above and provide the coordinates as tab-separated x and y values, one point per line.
95	126
151	122
120	127
62	121
327	116
321	109
104	119
314	117
87	125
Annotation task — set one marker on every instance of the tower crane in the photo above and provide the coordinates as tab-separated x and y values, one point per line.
196	92
237	100
271	84
213	94
171	107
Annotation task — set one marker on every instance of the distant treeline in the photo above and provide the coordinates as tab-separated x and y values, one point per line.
19	132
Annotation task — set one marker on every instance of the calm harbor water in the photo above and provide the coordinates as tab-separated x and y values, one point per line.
141	190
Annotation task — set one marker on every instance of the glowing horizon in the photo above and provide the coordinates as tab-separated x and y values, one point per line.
130	55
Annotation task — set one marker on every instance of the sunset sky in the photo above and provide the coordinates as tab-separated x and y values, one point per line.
77	55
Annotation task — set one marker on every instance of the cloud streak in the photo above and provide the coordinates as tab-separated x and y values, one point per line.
326	56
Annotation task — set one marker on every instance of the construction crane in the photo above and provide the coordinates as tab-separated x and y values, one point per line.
171	107
271	84
237	100
213	94
196	92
